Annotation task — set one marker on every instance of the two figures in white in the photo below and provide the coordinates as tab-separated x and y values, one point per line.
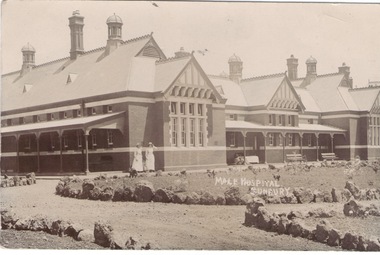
138	163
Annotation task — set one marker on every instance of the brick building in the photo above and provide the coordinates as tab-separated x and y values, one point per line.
88	111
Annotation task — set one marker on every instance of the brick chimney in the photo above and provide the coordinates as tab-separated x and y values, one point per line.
292	63
76	32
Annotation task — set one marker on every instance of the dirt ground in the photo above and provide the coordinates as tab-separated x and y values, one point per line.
170	226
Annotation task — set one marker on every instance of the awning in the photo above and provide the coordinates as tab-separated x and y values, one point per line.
105	121
302	128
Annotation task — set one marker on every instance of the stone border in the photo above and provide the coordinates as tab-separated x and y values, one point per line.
257	215
28	179
102	234
144	192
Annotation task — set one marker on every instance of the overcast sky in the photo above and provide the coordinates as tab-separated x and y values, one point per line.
262	34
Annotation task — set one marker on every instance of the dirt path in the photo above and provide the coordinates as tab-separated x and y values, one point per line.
171	226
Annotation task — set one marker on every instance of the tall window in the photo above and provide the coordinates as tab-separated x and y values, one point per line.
21	120
191	109
93	140
271	139
79	140
200	132
65	142
9	122
289	120
232	139
187	122
192	132
280	138
374	131
173	108
182	108
255	143
109	137
174	131
200	109
280	122
36	118
27	142
183	131
270	120
290	139
309	140
52	141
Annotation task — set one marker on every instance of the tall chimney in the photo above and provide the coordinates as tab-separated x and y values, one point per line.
236	68
311	72
181	53
292	63
76	32
28	61
344	69
115	25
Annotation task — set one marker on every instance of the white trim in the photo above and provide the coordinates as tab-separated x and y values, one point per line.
39	112
120	100
219	106
306	117
253	112
195	166
357	146
78	106
341	116
113	150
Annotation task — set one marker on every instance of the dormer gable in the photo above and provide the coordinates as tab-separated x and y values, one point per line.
376	105
192	82
152	50
27	87
285	98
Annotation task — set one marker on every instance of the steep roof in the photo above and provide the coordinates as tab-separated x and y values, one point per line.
258	91
231	90
168	70
365	97
327	94
307	100
120	71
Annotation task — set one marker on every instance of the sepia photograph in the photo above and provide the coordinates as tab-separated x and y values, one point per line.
184	125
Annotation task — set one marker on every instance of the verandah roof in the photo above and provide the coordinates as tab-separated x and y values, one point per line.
108	121
302	128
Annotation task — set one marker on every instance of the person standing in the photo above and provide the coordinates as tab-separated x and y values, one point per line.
150	163
137	159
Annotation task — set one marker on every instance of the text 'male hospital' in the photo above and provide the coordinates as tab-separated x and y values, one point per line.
88	111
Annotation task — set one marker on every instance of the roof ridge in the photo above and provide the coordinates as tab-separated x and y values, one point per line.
264	76
218	76
51	62
364	88
10	73
162	61
93	50
137	38
329	74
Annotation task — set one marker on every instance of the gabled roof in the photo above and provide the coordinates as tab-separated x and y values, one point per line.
168	70
307	100
328	95
365	97
258	91
119	71
232	91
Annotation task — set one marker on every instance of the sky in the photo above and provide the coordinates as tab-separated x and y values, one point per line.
263	35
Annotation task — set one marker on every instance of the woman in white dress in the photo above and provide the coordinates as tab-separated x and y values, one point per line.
150	157
137	160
